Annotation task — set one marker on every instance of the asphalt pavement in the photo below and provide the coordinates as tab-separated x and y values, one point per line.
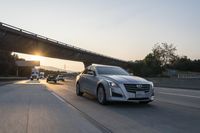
28	107
40	107
173	111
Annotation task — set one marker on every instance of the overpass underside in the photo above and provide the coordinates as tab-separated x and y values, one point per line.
22	41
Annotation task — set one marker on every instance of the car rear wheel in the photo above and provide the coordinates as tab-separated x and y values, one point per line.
78	91
101	95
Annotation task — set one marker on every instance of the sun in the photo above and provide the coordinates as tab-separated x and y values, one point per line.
37	58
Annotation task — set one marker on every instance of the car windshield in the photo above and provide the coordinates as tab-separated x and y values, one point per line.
110	71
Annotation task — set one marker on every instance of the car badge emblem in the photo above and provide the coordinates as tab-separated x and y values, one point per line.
139	86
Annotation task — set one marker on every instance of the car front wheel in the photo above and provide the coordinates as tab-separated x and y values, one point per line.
78	91
101	95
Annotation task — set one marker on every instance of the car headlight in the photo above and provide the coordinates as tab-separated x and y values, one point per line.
112	84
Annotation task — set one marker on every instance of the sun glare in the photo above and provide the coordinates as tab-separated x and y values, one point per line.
36	58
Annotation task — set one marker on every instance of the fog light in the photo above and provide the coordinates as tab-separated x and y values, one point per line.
116	94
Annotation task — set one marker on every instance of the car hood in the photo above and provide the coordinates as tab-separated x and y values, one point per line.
123	79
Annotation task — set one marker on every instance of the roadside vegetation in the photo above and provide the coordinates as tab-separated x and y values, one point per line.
163	57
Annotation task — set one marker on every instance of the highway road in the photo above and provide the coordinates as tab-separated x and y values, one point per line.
40	107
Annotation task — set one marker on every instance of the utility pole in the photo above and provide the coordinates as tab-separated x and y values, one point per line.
17	73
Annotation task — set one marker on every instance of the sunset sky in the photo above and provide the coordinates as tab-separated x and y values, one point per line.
124	29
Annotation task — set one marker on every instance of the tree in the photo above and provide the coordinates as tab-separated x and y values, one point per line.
148	67
165	53
186	64
136	67
153	65
7	63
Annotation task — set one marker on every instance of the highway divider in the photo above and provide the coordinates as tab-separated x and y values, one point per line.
181	83
12	78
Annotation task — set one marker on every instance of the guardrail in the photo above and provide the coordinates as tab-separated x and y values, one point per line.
189	76
184	83
12	78
55	41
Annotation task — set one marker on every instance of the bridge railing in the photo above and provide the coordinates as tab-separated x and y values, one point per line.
53	40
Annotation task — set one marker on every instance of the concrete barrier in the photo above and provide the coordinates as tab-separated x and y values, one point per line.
176	83
12	78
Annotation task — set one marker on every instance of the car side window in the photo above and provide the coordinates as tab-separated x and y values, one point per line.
89	70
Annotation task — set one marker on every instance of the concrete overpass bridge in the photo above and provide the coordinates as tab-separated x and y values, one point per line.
18	40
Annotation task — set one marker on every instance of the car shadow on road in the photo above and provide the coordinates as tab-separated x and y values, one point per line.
58	83
90	97
130	105
118	104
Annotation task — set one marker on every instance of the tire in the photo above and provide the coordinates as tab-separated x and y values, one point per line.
78	91
55	81
101	95
47	81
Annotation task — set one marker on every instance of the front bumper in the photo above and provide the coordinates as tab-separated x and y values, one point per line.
121	94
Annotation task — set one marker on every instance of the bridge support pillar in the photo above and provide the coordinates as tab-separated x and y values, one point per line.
86	64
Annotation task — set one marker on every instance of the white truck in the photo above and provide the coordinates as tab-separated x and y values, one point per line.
35	74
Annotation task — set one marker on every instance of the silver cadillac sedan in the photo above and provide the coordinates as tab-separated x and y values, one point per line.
112	83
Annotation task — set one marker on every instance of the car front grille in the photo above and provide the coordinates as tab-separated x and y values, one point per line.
137	87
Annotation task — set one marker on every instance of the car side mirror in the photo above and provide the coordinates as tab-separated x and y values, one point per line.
91	73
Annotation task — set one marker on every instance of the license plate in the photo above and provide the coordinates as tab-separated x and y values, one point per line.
140	94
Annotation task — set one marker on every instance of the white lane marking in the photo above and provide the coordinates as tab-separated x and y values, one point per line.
183	95
58	97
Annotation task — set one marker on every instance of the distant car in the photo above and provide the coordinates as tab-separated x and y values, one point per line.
112	83
52	77
34	74
60	78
